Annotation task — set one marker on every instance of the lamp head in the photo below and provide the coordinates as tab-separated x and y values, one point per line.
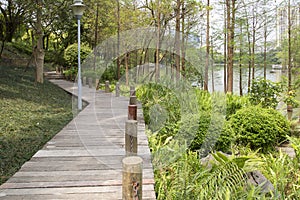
78	8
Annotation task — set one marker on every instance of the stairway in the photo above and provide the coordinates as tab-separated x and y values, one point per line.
53	75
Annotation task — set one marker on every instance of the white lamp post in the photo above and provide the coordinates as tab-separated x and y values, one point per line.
78	8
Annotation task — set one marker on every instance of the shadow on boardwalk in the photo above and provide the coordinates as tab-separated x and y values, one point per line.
84	160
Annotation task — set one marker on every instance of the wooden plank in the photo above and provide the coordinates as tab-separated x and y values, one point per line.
84	160
67	190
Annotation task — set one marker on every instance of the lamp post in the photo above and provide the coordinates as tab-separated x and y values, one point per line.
78	9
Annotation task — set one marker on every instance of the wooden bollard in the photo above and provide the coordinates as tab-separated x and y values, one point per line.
289	112
97	84
132	178
132	100
90	82
117	89
84	81
132	91
107	88
132	112
131	137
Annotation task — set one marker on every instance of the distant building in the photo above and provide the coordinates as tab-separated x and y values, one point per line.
282	21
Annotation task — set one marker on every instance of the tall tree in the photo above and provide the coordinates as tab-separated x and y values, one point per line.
289	47
225	50
207	46
230	9
13	12
39	53
118	40
177	38
157	51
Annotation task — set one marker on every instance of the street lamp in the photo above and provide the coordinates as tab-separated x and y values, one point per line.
78	8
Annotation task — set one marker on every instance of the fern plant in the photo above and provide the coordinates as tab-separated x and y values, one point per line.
226	179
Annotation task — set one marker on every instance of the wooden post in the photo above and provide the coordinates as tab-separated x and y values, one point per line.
132	178
132	91
84	81
90	81
107	88
131	137
132	112
289	112
117	89
132	100
97	84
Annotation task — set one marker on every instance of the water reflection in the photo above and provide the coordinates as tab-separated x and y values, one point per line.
272	75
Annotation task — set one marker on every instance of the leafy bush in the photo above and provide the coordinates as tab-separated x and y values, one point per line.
204	131
110	73
154	94
265	93
71	54
283	172
258	127
234	103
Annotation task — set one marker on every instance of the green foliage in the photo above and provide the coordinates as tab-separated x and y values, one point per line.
258	127
22	47
71	54
180	175
225	180
202	129
283	172
289	94
154	94
234	103
265	93
30	116
110	73
295	143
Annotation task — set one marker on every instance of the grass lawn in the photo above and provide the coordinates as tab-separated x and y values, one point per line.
30	115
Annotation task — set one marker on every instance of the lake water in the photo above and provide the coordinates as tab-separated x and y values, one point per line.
259	72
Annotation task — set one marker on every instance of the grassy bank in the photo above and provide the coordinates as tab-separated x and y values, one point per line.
30	115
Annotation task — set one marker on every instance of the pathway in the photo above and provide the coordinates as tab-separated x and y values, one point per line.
84	160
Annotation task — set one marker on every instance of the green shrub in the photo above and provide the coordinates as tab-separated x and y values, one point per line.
265	93
258	127
234	103
71	54
154	96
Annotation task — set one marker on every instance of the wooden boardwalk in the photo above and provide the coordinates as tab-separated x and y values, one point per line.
84	160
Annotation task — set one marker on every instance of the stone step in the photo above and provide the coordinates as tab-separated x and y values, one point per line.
53	75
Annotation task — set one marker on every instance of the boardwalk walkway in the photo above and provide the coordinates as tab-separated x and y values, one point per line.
84	160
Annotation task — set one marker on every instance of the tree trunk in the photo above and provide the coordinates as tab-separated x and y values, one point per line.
157	67
225	52
127	68
2	47
240	61
183	37
250	54
230	4
207	48
289	48
212	67
265	51
96	37
118	45
253	45
177	39
39	51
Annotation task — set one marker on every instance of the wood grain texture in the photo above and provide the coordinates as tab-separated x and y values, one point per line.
84	160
